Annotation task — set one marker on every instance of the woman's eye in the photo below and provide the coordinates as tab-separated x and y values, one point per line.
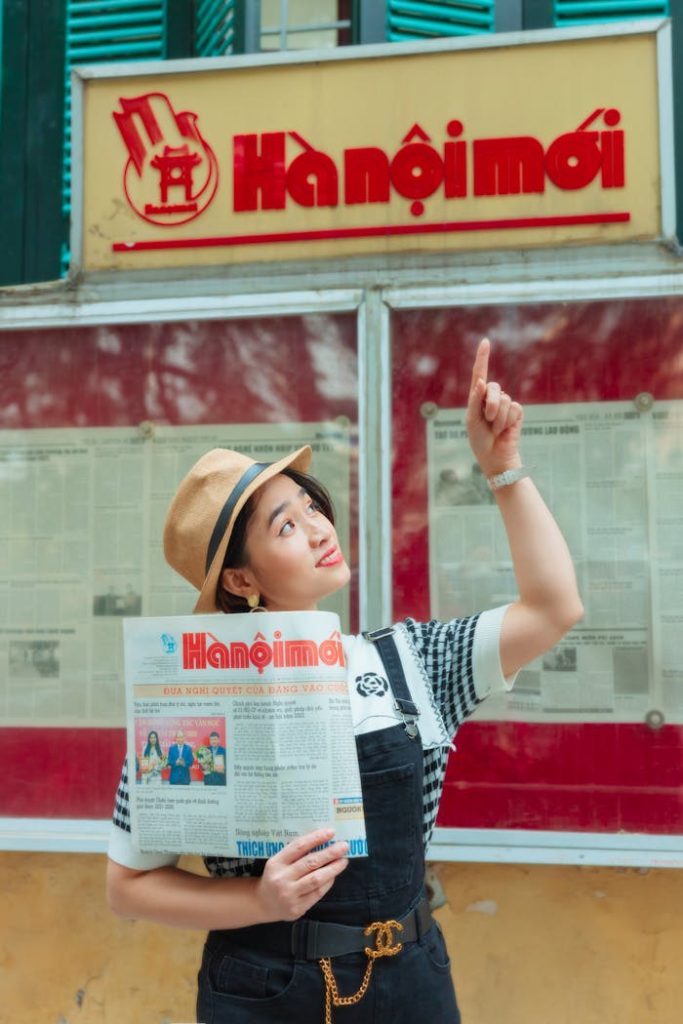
286	528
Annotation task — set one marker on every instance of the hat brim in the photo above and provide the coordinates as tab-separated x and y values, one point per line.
299	460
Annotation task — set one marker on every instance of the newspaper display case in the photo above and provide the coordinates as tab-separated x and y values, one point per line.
591	738
97	427
338	297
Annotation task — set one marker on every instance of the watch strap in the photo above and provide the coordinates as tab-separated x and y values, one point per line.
507	477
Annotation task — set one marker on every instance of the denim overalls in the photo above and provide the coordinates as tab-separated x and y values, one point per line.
242	981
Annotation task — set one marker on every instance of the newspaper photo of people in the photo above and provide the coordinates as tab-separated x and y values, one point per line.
180	751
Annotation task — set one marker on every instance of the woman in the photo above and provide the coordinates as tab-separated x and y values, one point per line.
297	936
152	760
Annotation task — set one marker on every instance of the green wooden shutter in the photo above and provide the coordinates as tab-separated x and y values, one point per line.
214	30
98	31
412	19
572	12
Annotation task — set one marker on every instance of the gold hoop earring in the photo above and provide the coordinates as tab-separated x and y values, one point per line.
253	602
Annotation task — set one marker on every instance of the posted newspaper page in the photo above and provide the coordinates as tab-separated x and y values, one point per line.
612	474
240	731
81	523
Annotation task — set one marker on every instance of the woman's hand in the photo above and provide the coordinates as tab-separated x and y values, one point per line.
494	421
299	875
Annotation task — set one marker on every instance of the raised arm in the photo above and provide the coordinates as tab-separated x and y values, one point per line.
549	603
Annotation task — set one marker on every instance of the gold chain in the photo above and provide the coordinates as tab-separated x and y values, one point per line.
384	946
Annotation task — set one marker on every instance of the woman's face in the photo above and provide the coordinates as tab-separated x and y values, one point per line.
154	739
293	555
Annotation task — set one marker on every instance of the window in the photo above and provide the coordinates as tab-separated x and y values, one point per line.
568	12
420	21
305	24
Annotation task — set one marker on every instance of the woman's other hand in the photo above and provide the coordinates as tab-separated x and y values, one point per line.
300	874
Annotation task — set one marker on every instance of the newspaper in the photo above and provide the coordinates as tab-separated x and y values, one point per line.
81	521
240	731
612	473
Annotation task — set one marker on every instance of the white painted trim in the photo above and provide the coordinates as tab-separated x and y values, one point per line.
667	167
485	846
512	846
493	292
499	287
54	835
217	307
368	51
629	261
386	609
365	511
374	472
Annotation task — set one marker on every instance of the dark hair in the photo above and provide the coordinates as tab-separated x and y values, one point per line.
236	555
149	748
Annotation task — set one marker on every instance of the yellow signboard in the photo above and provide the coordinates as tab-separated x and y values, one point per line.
484	145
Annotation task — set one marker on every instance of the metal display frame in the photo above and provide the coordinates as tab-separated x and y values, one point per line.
371	288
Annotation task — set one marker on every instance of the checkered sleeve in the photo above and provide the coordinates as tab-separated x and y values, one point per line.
233	867
121	815
446	651
123	850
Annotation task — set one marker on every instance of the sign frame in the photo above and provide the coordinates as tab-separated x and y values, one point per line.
660	29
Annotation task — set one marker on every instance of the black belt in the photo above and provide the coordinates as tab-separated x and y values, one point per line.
311	940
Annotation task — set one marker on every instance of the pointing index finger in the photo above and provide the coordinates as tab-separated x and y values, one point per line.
481	362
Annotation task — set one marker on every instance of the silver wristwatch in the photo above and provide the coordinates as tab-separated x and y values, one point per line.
509	476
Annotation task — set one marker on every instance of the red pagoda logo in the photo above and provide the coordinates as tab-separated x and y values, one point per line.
172	174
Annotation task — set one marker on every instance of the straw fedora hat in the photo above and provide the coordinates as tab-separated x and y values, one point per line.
202	515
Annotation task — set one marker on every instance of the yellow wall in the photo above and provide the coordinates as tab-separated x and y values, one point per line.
530	945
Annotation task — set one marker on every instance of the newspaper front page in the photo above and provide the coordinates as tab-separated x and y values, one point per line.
240	731
81	521
612	474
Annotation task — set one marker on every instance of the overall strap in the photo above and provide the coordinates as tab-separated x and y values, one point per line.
383	639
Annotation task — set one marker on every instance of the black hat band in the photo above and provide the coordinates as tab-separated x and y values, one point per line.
228	509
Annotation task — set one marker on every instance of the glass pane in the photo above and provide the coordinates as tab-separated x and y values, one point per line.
97	427
602	384
271	13
311	12
312	40
306	15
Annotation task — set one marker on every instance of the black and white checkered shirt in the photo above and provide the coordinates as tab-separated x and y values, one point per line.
446	651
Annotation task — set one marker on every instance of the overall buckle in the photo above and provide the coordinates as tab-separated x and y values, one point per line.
379	634
409	713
